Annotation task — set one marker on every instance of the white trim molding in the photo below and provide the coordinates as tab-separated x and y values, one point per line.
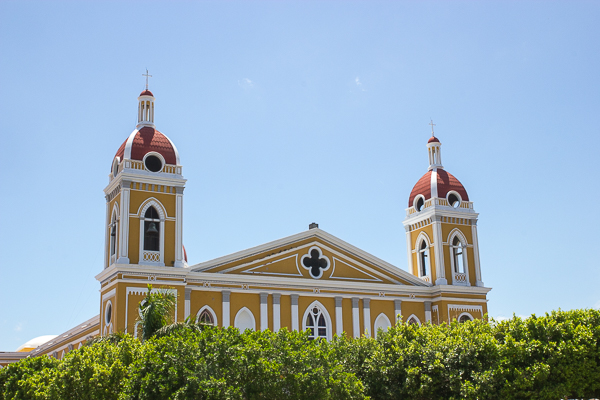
464	308
465	314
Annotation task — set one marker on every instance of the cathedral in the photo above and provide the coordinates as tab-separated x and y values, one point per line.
311	281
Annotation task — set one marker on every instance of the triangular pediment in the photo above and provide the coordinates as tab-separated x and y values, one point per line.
311	255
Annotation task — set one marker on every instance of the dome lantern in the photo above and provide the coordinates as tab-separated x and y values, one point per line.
146	106
434	149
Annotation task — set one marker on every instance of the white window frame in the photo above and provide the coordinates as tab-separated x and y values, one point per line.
152	202
415	317
324	312
383	317
465	314
211	312
420	239
458	196
416	200
237	315
459	278
113	247
157	155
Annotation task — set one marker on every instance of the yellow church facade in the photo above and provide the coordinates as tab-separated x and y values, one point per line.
308	281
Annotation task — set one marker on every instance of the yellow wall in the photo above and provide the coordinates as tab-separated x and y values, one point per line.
285	311
168	201
382	306
201	298
466	230
428	230
409	308
249	300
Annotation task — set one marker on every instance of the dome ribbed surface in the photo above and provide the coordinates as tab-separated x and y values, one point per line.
446	182
148	139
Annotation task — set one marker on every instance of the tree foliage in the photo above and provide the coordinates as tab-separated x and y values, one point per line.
156	311
555	356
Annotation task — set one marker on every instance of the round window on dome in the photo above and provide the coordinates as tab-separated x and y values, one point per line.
153	163
454	199
419	203
115	166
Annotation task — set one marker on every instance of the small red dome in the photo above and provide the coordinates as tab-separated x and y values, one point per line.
445	182
146	93
433	139
145	140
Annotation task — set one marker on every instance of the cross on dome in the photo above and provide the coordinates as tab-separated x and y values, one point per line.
431	123
147	76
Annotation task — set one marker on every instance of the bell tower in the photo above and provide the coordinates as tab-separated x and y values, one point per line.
144	197
441	227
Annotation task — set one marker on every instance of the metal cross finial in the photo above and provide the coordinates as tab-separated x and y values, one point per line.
432	125
147	76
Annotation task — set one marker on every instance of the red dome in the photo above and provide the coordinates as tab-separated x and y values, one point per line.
145	140
433	139
445	182
146	93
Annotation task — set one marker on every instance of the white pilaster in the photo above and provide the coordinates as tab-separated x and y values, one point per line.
226	313
367	316
355	318
339	317
276	312
124	223
264	311
439	251
188	296
107	235
397	310
179	262
409	249
294	298
428	311
476	254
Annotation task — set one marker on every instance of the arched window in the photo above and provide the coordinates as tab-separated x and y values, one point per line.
382	323
458	251
206	316
113	237
151	230
413	320
458	256
424	259
317	322
464	317
244	319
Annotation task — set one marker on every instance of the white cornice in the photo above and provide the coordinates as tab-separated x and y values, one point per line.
444	211
277	282
153	178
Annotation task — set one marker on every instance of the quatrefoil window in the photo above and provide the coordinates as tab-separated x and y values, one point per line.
315	262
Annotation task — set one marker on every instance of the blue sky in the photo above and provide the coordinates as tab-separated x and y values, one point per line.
285	113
